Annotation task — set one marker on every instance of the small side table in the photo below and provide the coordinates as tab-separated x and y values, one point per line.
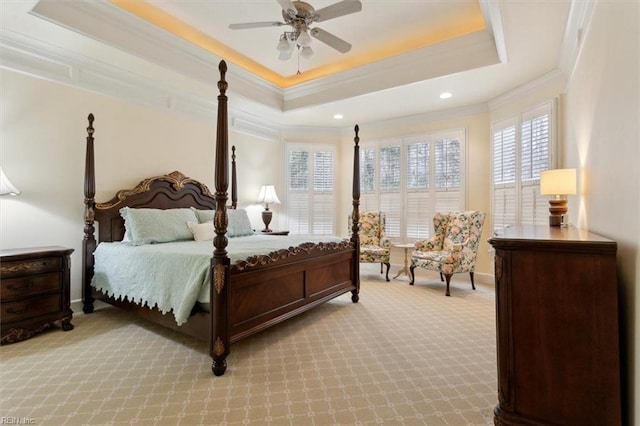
405	268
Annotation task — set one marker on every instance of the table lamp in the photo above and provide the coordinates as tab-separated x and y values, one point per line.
559	183
267	196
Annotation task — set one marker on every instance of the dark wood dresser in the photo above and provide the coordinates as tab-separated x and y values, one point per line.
34	291
557	328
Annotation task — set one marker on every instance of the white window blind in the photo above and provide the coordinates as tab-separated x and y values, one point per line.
368	161
311	197
522	147
413	178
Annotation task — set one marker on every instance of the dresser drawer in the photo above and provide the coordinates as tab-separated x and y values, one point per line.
30	267
11	288
31	308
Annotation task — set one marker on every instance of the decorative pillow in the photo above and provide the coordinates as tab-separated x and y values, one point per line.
148	226
204	215
202	231
239	223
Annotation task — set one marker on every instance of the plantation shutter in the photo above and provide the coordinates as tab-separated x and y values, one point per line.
417	218
368	193
447	175
504	176
389	183
323	194
534	158
311	199
298	197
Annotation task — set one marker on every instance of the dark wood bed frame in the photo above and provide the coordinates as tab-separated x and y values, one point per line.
247	296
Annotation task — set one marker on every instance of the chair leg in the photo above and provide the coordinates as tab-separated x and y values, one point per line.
388	266
448	277
413	277
381	266
441	277
472	284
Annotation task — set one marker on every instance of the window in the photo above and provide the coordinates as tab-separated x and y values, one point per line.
311	198
410	179
521	149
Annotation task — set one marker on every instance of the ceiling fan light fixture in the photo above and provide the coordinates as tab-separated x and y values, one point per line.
304	39
284	45
306	52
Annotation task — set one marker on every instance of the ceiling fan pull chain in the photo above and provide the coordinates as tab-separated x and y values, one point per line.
298	73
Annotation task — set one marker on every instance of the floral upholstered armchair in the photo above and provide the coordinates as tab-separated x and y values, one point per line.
453	247
374	246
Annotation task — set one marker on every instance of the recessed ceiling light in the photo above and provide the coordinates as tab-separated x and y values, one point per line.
445	95
338	116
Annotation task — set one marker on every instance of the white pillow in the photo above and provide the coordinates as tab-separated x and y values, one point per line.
202	231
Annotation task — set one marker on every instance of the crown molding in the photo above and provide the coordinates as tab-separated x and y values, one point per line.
98	18
427	117
553	77
452	56
42	60
577	27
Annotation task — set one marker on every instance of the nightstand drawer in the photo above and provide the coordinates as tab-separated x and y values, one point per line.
11	288
31	308
30	267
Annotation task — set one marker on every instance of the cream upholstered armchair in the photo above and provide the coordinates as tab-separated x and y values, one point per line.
374	246
453	247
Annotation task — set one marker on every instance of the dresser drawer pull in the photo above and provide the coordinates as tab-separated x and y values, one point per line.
27	285
18	311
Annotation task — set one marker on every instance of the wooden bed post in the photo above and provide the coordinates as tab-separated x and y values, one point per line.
219	290
355	217
234	180
89	241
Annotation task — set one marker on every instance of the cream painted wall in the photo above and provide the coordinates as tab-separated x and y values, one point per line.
602	111
43	147
476	126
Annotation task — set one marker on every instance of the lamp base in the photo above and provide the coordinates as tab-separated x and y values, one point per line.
266	219
557	210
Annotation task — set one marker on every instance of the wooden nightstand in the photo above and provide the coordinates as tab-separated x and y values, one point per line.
34	291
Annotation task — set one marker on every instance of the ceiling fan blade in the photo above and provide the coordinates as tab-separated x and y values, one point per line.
246	25
329	39
342	8
288	7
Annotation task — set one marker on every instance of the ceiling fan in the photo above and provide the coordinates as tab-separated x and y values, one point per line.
300	16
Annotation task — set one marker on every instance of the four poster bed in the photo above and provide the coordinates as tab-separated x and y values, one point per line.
245	293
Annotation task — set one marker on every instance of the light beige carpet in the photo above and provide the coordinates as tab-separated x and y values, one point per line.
403	355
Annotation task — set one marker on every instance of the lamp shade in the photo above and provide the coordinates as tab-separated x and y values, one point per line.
268	195
558	182
6	187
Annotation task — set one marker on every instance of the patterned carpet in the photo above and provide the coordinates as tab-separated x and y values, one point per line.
403	355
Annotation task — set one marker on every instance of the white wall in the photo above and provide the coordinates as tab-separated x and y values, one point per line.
602	122
43	146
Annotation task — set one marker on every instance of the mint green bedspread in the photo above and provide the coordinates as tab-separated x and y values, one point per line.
174	276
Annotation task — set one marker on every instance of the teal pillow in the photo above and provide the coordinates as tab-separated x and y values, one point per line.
239	223
149	226
204	215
